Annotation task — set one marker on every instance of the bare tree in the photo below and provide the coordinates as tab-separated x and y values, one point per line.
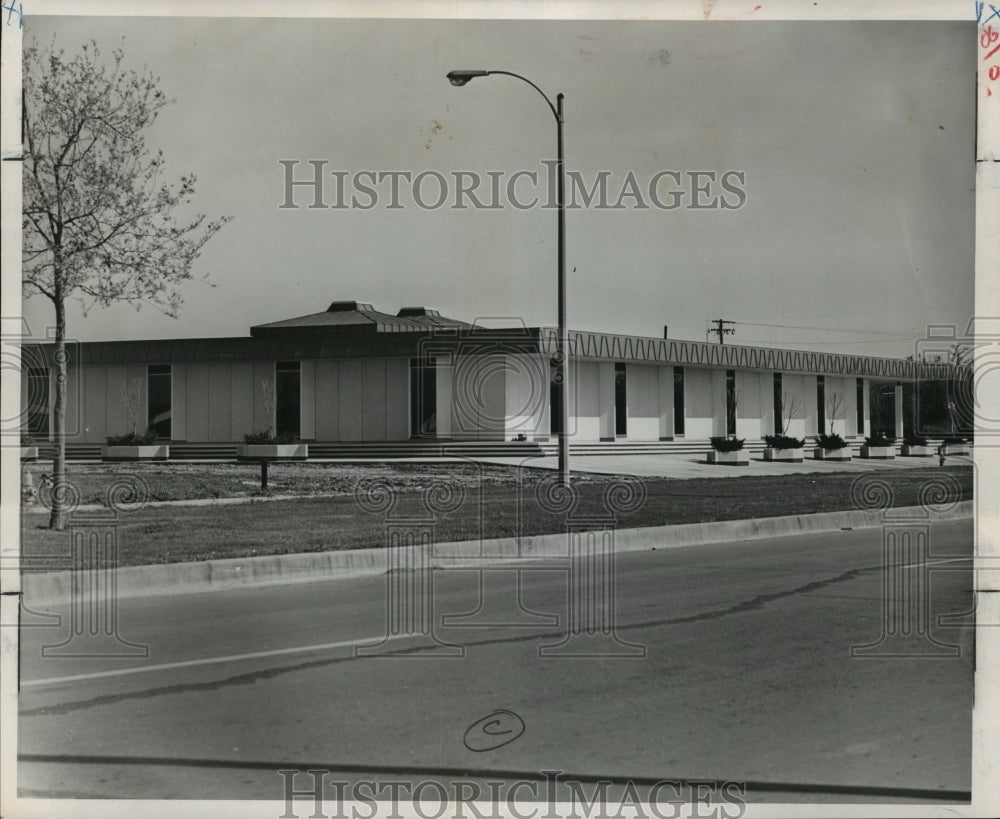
834	408
788	408
98	221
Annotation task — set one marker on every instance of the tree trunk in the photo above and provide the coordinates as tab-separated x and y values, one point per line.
57	518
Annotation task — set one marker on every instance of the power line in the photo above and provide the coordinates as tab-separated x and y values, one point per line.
824	329
859	341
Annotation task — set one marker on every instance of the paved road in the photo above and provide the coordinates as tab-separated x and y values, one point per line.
746	674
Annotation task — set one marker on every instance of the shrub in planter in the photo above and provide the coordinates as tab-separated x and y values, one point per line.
265	437
265	446
721	444
831	448
784	442
832	441
879	447
135	446
915	446
133	439
728	451
783	448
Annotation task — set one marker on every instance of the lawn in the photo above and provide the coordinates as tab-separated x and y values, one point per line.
484	501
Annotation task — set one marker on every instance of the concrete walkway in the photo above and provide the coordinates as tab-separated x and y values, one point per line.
695	466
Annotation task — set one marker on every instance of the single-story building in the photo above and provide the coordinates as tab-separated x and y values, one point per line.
352	373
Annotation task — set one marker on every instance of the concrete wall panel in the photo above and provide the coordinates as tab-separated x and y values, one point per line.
643	386
241	387
351	403
327	392
665	386
397	404
585	401
373	412
699	406
750	410
220	403
197	402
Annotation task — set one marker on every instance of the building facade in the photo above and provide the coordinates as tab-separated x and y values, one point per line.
352	373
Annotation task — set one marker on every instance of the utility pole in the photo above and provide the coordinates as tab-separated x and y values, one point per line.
721	330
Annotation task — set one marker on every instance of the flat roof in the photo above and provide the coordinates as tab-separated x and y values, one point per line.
293	343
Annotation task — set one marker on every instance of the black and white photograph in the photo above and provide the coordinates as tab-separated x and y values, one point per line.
482	409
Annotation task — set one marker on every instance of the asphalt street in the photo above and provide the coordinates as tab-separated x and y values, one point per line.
728	662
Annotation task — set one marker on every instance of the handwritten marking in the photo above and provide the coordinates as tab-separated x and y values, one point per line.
10	13
980	7
493	731
988	39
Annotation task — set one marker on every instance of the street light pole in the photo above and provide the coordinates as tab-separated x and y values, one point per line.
459	78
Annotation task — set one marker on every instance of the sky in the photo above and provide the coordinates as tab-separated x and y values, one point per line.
853	143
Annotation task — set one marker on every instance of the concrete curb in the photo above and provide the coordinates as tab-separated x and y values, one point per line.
53	588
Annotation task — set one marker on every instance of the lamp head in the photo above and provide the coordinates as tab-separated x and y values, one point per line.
462	77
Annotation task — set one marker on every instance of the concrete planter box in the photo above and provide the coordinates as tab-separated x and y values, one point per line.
273	452
880	453
842	454
737	458
29	453
152	452
793	455
914	451
956	449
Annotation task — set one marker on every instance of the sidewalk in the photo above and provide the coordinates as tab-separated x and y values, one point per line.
695	466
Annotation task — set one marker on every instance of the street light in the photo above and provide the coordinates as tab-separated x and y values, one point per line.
459	78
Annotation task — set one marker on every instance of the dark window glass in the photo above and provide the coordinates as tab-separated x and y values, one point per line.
779	407
861	405
287	398
821	403
621	399
882	409
730	402
38	402
678	400
158	404
423	397
555	402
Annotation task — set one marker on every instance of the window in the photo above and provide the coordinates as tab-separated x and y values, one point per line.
779	407
621	399
861	405
555	402
158	404
287	398
731	401
423	397
820	404
38	402
678	400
